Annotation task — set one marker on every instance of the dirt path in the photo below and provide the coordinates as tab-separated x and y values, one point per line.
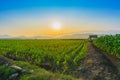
97	66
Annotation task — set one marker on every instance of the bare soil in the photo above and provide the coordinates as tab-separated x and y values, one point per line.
99	66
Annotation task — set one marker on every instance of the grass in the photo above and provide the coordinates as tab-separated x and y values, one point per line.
40	74
32	73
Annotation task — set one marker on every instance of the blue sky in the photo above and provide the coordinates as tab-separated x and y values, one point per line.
15	4
35	17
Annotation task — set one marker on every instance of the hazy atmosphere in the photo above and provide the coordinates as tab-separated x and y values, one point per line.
59	39
58	17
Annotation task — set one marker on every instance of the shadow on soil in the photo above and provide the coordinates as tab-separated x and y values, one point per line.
97	66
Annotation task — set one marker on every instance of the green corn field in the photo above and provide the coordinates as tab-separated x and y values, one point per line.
109	43
54	55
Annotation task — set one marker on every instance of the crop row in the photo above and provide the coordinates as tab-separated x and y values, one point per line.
109	43
55	55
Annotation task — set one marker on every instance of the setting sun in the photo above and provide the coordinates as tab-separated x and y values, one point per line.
56	26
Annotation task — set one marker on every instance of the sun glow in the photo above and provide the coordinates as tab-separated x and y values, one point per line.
56	26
